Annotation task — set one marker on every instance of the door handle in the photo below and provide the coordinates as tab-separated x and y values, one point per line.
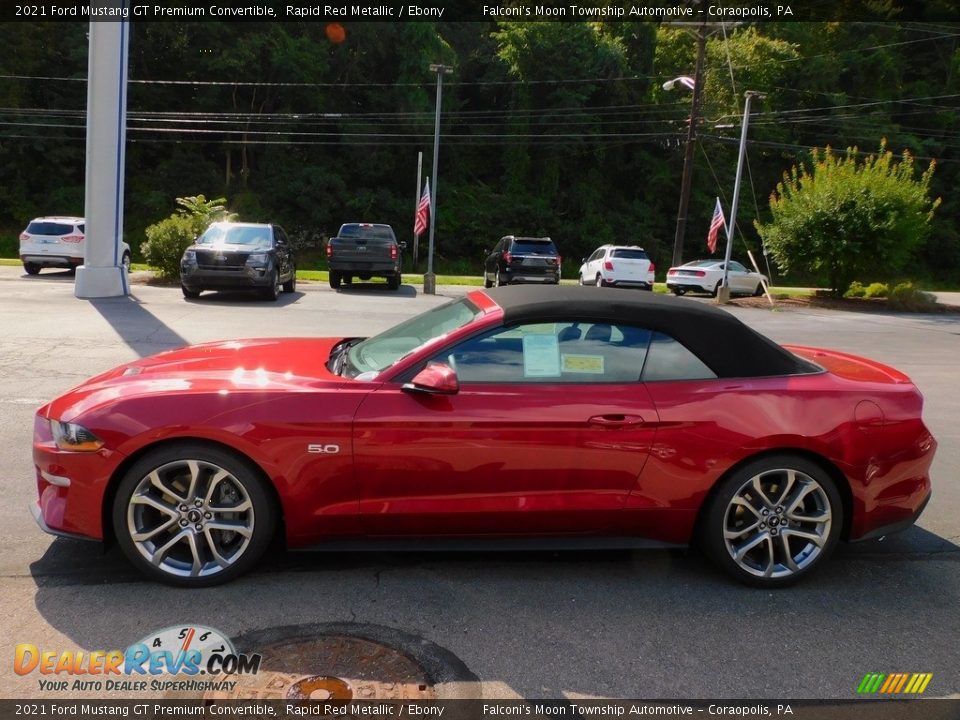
615	421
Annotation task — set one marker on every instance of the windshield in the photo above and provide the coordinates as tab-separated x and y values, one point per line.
701	263
383	350
236	235
630	254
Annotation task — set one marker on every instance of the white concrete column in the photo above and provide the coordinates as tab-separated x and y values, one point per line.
102	274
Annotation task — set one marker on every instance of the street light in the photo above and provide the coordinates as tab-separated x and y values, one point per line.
429	278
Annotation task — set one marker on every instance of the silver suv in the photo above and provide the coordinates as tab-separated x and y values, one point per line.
57	242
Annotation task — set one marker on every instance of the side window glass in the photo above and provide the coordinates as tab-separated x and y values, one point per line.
737	267
667	359
564	352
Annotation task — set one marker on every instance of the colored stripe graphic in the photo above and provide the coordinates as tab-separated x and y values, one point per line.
894	683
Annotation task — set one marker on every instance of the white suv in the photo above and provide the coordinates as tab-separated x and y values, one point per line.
57	242
618	266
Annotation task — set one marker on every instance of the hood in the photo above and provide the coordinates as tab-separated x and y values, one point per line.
231	248
264	364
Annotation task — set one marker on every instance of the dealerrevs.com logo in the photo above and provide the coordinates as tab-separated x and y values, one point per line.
190	650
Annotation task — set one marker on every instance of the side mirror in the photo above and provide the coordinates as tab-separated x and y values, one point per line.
583	260
435	378
403	245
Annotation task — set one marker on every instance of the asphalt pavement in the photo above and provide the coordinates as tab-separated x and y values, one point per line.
629	624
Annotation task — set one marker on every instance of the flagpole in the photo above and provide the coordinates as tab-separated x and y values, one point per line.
723	293
416	206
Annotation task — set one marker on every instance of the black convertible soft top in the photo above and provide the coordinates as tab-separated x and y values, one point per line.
721	341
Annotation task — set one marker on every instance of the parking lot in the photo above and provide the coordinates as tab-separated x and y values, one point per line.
651	624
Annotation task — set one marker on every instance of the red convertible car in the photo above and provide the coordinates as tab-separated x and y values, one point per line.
518	411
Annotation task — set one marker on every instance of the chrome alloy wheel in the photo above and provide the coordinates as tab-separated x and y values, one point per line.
777	523
190	518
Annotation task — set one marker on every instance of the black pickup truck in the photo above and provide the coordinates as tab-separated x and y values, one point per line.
364	250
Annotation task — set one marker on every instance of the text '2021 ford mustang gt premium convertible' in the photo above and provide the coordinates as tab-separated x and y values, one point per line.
520	411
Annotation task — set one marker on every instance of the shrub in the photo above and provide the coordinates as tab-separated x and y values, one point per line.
166	241
907	297
856	290
876	290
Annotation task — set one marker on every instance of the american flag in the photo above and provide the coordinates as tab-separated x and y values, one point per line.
422	217
716	223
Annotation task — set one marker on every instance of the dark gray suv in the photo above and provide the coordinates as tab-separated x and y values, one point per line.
239	256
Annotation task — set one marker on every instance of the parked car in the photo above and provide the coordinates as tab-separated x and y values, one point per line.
239	256
525	411
58	242
364	250
618	266
522	260
707	276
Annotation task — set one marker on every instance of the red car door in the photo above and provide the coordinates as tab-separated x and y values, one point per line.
543	436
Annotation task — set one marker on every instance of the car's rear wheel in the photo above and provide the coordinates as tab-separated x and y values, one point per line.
497	281
393	282
773	521
487	283
192	515
600	282
716	288
678	291
189	293
291	285
335	279
31	268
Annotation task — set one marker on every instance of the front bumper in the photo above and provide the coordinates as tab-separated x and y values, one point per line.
244	277
38	518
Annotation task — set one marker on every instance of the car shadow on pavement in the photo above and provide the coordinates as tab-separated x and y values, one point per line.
650	607
364	288
140	329
232	297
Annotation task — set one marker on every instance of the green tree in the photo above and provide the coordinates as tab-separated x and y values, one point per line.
167	239
844	218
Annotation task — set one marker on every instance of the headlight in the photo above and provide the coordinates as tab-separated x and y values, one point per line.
189	256
70	436
257	259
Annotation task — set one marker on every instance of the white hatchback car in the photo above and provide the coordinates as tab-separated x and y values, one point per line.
707	275
618	266
58	242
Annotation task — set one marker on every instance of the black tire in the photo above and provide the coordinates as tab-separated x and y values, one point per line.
716	289
770	533
679	291
189	293
599	281
393	282
759	291
238	550
487	283
31	268
291	285
274	290
497	281
335	279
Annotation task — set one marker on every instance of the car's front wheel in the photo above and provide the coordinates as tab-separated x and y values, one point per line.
192	515
189	293
773	521
291	285
275	289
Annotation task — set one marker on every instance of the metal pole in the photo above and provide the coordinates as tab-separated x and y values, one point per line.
687	179
724	296
430	279
416	206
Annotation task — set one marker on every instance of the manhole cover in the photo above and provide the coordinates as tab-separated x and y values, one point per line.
330	667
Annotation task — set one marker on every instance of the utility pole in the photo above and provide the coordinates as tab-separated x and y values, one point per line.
687	179
723	294
703	31
429	278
